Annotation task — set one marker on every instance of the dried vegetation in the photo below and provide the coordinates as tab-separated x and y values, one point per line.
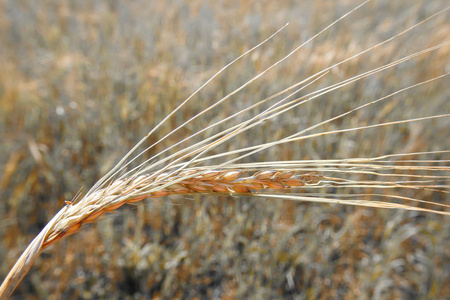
81	82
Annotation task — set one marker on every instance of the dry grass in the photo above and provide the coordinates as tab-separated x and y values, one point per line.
121	70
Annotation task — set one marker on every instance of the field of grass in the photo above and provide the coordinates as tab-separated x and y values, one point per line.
82	81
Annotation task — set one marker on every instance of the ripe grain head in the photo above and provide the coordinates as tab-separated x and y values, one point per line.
250	135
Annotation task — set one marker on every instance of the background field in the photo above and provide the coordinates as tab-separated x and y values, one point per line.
82	81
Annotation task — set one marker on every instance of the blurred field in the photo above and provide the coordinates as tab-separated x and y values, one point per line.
82	81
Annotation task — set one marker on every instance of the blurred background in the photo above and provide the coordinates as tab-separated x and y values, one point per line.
82	81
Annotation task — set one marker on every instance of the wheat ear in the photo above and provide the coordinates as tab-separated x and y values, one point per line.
177	176
72	216
191	181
